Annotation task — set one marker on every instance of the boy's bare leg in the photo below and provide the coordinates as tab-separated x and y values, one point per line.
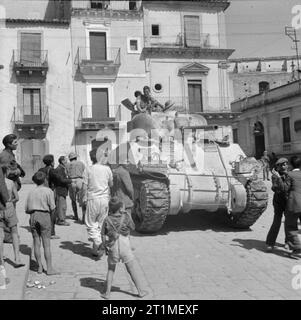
47	254
131	268
110	276
2	269
37	252
16	246
1	246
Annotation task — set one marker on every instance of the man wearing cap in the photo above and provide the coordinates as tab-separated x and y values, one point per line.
280	185
61	184
75	171
293	211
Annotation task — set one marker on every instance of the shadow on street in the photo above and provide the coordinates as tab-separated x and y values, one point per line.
78	247
99	285
259	245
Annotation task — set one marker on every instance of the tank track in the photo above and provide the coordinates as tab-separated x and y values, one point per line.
151	205
257	202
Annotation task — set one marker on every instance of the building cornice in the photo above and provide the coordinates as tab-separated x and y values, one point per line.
171	4
176	52
57	22
263	58
112	14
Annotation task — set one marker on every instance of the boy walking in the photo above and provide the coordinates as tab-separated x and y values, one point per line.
40	205
115	235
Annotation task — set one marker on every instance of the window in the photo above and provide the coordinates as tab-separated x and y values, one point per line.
158	87
286	131
99	4
263	86
192	31
132	5
235	135
133	45
30	48
155	30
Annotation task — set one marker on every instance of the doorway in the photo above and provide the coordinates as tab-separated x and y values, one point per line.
98	46
258	131
100	103
32	106
195	96
32	153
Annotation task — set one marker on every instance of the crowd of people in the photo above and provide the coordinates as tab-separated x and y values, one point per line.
104	194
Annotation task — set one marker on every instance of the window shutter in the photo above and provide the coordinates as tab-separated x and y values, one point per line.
30	48
192	31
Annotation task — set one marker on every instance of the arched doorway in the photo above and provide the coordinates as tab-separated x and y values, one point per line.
258	131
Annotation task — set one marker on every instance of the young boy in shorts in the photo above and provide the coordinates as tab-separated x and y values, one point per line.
9	218
40	205
115	237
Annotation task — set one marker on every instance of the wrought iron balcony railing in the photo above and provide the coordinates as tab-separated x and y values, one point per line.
111	56
37	116
205	40
30	59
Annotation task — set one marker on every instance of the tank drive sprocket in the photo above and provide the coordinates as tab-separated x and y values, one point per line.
152	202
257	201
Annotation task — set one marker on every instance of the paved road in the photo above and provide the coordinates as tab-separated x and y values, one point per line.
193	257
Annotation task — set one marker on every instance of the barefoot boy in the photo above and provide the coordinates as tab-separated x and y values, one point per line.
10	217
115	235
40	204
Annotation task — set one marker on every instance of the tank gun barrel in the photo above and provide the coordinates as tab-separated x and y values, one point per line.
204	127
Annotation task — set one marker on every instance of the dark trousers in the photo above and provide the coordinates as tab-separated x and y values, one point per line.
53	221
275	227
291	230
61	208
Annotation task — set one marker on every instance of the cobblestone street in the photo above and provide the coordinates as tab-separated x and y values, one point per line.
193	257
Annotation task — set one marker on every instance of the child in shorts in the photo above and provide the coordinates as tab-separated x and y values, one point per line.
40	205
115	237
8	218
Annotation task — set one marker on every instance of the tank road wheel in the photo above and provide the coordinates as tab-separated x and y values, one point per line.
257	202
151	205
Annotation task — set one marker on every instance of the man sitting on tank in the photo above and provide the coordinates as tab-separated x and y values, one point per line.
152	105
139	106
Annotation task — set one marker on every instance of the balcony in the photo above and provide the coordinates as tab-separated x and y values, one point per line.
32	125
29	62
106	67
89	120
206	46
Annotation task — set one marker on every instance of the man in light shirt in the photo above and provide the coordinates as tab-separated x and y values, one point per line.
97	180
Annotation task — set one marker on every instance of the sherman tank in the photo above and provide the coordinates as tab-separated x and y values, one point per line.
177	165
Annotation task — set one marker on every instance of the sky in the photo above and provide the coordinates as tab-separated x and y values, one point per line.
256	28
